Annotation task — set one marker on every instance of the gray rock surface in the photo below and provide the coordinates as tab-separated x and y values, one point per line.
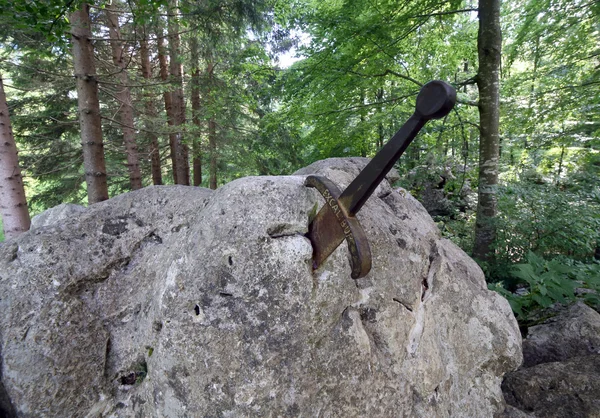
512	412
59	213
560	376
563	389
182	302
573	332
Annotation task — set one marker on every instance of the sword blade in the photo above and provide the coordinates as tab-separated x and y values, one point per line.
327	233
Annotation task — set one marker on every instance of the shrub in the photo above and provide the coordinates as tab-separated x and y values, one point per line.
541	283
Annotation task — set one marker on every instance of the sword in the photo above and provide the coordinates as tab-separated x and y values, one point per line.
336	221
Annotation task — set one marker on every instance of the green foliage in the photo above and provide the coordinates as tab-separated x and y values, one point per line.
363	68
44	119
545	220
549	212
545	282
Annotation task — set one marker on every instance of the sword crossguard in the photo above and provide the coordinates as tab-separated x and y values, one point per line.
329	232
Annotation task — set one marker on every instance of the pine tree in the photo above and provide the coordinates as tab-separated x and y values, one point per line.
13	203
89	105
123	97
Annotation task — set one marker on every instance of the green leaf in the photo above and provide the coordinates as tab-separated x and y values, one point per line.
543	301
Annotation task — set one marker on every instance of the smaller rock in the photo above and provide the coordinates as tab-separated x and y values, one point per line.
436	202
574	332
558	389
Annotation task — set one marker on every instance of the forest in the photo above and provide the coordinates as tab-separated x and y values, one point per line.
98	99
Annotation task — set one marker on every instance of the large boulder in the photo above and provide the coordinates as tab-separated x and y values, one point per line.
182	302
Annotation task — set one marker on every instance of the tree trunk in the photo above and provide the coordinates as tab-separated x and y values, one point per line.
380	131
123	96
13	203
151	114
88	106
560	164
164	76
489	46
365	140
176	70
212	146
197	150
212	130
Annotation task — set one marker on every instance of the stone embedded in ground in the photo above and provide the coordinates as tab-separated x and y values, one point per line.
178	301
561	371
558	389
573	332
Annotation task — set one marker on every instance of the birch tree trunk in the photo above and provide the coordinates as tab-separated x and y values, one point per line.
88	106
167	97
123	96
196	149
151	114
178	103
13	203
489	46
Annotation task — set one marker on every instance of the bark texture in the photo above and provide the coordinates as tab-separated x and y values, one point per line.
196	108
123	96
489	46
163	62
212	132
13	203
212	145
151	115
177	100
88	106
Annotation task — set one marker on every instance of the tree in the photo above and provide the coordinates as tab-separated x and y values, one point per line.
13	203
123	97
489	47
88	105
212	126
177	99
150	113
196	110
168	100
